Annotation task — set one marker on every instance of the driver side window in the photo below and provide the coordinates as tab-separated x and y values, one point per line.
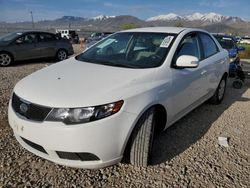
189	46
26	39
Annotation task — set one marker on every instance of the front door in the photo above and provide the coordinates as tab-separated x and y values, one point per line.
188	83
25	47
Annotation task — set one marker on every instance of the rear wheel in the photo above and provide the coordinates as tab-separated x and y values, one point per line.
61	55
141	142
220	92
5	59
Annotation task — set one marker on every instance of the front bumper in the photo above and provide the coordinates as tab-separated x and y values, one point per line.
104	138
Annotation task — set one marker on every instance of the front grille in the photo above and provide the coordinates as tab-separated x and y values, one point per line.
28	110
33	145
77	156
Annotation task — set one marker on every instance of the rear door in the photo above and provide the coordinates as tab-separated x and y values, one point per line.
46	44
24	47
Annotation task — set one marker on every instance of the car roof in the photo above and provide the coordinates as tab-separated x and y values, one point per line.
32	31
174	30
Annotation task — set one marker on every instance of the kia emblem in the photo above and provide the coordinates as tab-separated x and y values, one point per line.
24	108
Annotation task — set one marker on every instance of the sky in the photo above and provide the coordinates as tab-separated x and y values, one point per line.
19	10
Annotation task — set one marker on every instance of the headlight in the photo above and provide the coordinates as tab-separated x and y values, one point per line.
232	60
83	115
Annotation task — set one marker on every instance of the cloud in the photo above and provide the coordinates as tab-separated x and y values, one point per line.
218	3
109	4
139	10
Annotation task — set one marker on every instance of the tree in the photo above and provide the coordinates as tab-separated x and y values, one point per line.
128	26
178	24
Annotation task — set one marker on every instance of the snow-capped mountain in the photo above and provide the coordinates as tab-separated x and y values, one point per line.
207	17
213	17
194	16
170	16
101	17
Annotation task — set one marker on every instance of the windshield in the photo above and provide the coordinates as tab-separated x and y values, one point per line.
9	37
226	43
130	49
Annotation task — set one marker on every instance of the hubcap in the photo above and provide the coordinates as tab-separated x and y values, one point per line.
62	55
5	59
221	89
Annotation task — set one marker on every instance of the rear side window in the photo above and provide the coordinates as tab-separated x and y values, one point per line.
45	37
209	46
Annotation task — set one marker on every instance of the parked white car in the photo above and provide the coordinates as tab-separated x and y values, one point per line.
99	107
245	40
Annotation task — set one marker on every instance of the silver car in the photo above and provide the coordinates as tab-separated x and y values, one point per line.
32	45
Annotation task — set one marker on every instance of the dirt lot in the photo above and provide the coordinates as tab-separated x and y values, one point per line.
185	155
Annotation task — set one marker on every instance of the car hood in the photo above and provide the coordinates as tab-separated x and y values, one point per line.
73	83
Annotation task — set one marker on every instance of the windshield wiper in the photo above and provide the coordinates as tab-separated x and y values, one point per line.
117	64
96	61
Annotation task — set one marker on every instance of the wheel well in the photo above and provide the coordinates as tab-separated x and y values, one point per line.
11	55
160	118
225	75
160	122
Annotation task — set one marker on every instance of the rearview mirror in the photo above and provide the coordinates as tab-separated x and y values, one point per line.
187	61
241	48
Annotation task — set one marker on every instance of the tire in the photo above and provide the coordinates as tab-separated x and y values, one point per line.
5	59
237	84
61	55
220	92
141	142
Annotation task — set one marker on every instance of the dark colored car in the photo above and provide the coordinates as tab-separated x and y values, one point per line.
229	43
32	45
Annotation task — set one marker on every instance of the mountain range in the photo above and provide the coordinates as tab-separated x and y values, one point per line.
210	21
207	17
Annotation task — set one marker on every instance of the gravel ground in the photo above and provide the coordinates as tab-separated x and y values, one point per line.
185	155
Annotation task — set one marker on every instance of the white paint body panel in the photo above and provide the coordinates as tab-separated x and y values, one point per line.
71	84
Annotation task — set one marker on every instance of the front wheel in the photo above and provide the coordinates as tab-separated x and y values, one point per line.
141	142
5	59
220	92
61	55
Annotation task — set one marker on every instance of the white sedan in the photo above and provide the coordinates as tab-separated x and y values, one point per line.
108	103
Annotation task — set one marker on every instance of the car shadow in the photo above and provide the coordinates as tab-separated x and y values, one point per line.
188	130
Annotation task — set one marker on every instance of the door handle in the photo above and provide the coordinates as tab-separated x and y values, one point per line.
222	62
203	72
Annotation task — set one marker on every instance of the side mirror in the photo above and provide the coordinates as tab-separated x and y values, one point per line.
241	48
187	61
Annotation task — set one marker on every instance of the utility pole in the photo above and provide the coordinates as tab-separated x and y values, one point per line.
32	20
